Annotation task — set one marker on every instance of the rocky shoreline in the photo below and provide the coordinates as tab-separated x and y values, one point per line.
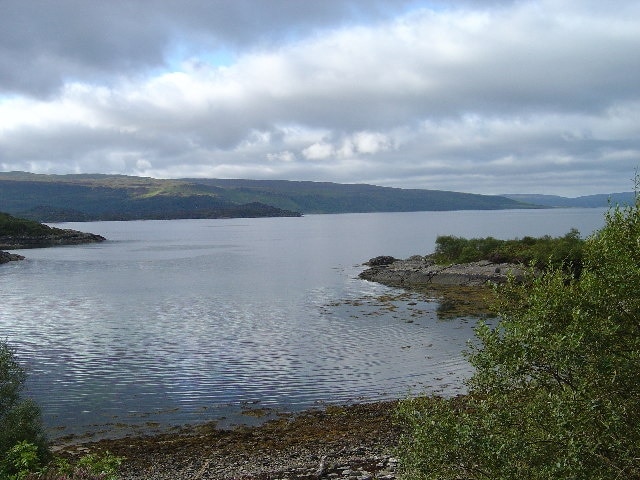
346	442
57	238
6	257
422	271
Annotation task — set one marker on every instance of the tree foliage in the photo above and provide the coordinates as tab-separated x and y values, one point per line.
556	388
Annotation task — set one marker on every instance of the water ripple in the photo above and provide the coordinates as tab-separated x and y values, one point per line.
140	330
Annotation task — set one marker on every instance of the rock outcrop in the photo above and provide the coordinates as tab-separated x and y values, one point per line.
56	238
419	271
6	257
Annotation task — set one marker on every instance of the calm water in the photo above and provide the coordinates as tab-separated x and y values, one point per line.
173	322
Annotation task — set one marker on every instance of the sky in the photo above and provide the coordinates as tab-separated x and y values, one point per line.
491	97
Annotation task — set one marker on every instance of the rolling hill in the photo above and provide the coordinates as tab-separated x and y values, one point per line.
586	201
56	198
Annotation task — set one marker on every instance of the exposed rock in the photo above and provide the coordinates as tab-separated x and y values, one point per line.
382	260
64	237
6	257
418	271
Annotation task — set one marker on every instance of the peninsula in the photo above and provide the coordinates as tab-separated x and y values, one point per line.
478	261
18	233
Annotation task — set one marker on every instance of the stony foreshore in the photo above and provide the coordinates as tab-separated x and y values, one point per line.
420	271
353	442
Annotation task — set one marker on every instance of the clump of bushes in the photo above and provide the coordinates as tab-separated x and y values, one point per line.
556	388
543	252
24	453
22	462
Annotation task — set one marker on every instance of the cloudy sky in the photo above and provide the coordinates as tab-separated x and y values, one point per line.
476	96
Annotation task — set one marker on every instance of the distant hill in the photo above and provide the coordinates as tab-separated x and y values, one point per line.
587	201
54	198
57	198
327	197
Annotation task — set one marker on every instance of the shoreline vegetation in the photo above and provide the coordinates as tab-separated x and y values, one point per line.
476	262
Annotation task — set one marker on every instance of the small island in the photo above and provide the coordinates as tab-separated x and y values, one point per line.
18	233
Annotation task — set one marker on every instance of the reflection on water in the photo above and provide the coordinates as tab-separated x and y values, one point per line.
173	322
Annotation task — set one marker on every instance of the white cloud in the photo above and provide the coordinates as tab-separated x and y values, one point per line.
285	156
318	151
368	142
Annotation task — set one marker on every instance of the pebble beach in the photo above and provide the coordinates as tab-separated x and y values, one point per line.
348	442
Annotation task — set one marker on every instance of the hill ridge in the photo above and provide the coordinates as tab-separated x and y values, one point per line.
85	197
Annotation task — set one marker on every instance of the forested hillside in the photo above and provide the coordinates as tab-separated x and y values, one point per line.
54	198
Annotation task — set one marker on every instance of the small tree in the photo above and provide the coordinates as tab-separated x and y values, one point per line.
20	419
556	388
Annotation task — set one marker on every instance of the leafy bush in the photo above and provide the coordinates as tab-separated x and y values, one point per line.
89	467
565	252
19	461
556	388
22	463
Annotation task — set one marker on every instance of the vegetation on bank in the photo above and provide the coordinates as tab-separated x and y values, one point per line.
556	390
10	226
24	452
22	233
544	252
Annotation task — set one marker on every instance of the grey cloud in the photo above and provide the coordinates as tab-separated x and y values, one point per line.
43	44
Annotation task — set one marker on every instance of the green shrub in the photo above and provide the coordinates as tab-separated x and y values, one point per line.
22	463
20	419
544	252
556	388
19	461
89	467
